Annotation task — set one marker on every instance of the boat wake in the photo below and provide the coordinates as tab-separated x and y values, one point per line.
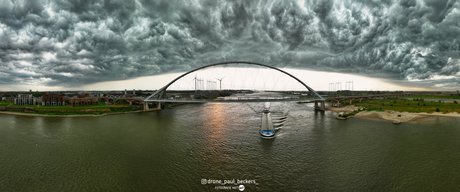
272	121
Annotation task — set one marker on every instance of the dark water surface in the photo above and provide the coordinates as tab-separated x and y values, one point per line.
175	149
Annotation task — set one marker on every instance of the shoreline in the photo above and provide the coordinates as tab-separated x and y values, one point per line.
83	115
392	116
386	115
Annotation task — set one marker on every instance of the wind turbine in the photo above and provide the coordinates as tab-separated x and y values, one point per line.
195	82
199	80
220	82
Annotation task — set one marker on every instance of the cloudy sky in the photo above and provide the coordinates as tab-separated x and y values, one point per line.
74	44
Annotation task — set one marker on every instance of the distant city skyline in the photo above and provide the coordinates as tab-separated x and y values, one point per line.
105	45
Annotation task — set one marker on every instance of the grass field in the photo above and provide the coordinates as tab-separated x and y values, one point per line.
409	106
68	107
71	113
435	96
79	110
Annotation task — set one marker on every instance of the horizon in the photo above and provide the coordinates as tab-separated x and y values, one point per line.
394	45
371	84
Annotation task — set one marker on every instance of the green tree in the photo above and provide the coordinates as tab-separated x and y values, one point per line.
119	102
38	94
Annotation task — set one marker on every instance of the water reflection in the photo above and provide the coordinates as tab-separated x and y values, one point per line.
319	113
38	125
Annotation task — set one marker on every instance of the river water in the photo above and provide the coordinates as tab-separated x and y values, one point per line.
184	148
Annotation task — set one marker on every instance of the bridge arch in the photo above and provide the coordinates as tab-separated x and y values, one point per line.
160	91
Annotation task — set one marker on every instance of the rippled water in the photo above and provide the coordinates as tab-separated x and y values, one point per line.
175	149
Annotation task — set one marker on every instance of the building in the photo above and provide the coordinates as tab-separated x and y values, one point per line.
22	99
115	95
82	101
53	99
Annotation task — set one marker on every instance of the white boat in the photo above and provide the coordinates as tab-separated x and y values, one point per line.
267	129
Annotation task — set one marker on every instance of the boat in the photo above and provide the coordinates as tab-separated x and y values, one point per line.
267	129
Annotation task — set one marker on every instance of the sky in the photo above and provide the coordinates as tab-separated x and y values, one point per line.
142	44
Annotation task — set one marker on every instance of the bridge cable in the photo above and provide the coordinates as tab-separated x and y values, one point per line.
265	80
276	82
244	77
254	79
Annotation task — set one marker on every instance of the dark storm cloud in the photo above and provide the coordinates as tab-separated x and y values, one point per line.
86	41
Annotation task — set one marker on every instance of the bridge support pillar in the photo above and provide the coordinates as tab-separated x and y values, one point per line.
350	101
322	107
146	107
338	103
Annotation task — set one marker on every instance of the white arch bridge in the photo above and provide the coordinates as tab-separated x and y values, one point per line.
236	81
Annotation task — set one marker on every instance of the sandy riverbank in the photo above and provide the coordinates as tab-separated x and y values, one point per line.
345	109
405	117
392	116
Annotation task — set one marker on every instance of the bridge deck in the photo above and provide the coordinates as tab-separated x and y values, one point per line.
228	100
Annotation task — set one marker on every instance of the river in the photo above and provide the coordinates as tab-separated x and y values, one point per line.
193	147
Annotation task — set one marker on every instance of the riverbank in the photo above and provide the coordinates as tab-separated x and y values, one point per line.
69	111
78	111
344	109
402	117
393	116
82	115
